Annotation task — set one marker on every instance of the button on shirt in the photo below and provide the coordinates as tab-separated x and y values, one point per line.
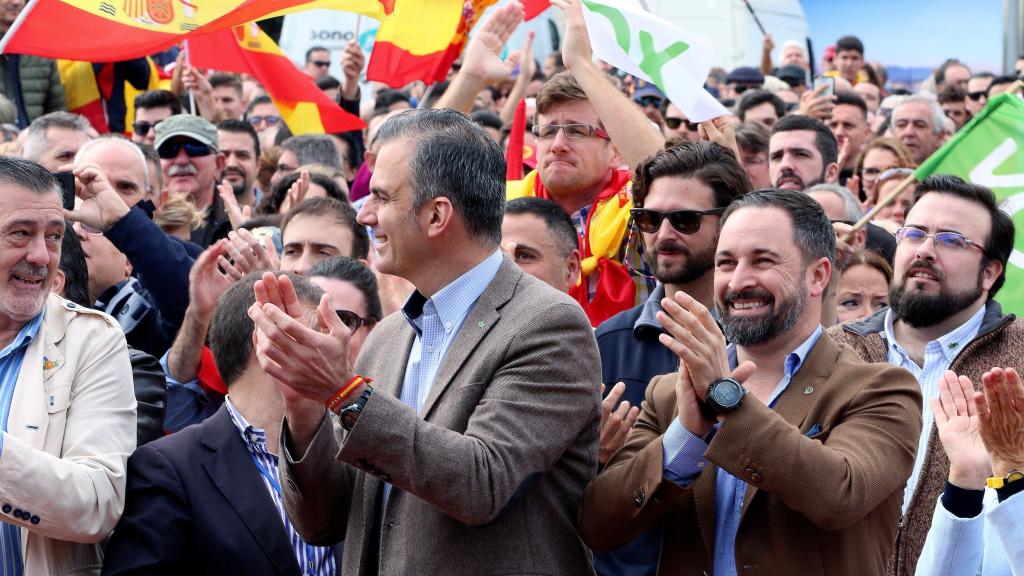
938	357
10	366
313	560
684	459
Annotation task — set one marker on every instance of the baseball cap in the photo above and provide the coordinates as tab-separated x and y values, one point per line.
745	75
188	125
792	75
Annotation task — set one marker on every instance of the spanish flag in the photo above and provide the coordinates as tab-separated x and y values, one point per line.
420	39
247	49
112	30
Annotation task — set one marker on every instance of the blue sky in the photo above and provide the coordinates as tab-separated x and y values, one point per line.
912	33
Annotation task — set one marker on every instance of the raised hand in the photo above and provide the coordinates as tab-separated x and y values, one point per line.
296	192
722	132
616	423
482	61
236	214
1001	416
813	104
352	62
210	276
576	48
956	419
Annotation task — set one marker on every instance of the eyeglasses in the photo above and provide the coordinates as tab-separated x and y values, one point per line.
268	120
320	63
352	320
673	123
685	221
953	240
141	128
571	131
170	150
977	95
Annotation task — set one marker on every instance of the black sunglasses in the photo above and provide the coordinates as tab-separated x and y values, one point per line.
685	221
673	123
645	101
352	320
170	150
975	96
141	128
321	63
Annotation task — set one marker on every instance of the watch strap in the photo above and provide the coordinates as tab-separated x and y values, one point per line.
998	482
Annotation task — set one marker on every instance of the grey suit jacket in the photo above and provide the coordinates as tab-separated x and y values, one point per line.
488	477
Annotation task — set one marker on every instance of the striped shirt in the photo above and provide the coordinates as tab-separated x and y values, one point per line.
11	562
938	357
313	560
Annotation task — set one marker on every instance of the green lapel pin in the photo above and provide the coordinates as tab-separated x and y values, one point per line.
809	389
480	324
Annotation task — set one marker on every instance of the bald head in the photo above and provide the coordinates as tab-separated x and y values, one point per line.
121	161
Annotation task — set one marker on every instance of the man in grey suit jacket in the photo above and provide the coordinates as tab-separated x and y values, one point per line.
468	451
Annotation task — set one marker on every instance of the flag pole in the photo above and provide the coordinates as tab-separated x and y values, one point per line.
884	202
17	24
756	19
359	22
426	96
191	95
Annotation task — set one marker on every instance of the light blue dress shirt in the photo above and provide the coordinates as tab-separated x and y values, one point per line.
684	459
938	357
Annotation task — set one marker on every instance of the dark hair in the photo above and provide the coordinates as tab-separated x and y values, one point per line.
812	231
327	82
871	259
313	149
351	154
355	273
261	220
752	137
74	267
389	96
149	153
28	175
999	243
848	43
999	81
262	99
158	99
559	89
231	328
342	212
952	94
712	164
242	127
824	140
226	80
940	74
555	219
983	74
312	49
453	157
753	98
486	118
271	201
851	98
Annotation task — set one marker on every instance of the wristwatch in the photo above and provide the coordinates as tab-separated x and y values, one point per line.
724	395
997	482
349	414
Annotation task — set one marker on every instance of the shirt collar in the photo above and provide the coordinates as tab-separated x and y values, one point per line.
25	335
651	307
794	360
255	438
950	343
454	300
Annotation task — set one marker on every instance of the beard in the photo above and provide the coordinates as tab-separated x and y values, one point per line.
921	309
693	266
238	188
751	330
795	178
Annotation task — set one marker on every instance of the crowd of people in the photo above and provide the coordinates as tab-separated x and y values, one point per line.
531	320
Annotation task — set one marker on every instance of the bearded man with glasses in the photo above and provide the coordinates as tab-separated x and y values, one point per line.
950	263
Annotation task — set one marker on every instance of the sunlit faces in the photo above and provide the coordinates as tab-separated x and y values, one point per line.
61	146
763	113
897	210
761	281
871	95
345	296
537	251
228	101
397	231
571	166
848	64
850	128
876	161
674	257
107	265
149	117
794	162
31	228
287	163
913	125
123	167
862	292
240	161
932	283
189	176
309	239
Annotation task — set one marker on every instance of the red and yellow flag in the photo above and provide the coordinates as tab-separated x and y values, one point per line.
420	39
247	49
112	30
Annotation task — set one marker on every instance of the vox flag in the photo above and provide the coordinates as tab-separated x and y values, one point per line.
247	49
640	43
989	151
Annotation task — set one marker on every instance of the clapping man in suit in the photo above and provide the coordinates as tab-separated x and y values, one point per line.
781	453
468	451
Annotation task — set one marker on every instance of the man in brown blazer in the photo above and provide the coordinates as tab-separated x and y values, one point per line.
781	453
468	451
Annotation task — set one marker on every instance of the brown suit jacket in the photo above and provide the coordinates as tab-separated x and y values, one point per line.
825	473
487	479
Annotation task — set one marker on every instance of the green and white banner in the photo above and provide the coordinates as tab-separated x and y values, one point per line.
989	151
638	42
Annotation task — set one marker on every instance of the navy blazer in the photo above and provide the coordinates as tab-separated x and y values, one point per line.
196	504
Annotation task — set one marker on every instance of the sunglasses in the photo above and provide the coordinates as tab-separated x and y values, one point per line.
170	150
268	120
321	63
141	128
645	101
975	96
673	123
684	221
352	320
953	240
571	131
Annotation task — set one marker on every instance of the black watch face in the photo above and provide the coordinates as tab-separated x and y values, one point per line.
728	393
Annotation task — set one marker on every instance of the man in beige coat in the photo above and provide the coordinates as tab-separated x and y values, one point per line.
67	409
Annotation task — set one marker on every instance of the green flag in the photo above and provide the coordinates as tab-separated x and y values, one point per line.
989	151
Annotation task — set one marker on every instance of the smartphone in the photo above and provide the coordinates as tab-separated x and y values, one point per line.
67	188
829	81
